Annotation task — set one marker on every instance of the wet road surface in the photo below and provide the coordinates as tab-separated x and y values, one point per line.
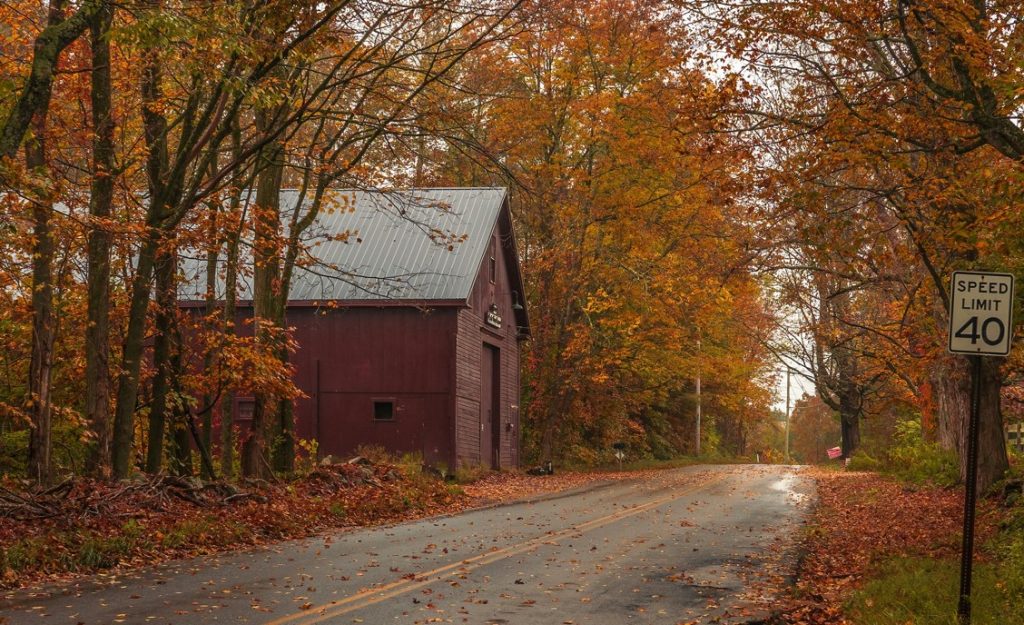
694	545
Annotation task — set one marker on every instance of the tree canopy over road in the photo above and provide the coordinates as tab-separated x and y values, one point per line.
700	189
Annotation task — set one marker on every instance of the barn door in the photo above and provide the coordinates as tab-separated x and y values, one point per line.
490	408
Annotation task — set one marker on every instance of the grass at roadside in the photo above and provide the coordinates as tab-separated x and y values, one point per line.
921	591
910	490
883	552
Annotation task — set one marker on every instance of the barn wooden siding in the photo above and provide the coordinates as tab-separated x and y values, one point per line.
348	358
376	342
473	333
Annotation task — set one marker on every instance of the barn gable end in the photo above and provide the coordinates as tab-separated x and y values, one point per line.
408	333
489	434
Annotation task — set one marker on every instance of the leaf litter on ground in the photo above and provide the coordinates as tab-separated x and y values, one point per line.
83	526
861	520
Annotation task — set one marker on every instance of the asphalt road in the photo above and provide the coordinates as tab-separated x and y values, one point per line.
689	546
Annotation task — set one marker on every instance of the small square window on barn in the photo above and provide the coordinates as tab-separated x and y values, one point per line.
246	408
383	410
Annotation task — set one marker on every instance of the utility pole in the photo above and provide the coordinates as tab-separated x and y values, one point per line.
788	371
697	443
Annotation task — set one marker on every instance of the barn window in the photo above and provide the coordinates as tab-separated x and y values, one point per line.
246	408
383	410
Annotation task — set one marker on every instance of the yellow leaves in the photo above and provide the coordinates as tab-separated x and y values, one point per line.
597	302
243	363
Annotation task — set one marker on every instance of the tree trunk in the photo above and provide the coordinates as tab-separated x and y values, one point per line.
557	399
547	439
41	363
210	310
232	240
227	409
155	129
254	447
850	429
131	361
227	435
205	459
34	99
993	461
951	382
266	258
284	450
849	410
97	330
40	411
182	424
182	439
162	404
552	415
953	387
284	431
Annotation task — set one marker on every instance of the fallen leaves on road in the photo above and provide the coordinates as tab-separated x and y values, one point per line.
507	486
85	526
862	518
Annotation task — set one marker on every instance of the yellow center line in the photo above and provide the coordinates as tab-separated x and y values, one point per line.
371	596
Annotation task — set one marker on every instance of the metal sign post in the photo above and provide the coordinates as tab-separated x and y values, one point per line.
980	324
963	609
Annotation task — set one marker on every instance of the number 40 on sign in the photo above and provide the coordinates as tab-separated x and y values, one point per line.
981	313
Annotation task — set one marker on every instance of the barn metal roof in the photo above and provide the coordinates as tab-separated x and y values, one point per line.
414	245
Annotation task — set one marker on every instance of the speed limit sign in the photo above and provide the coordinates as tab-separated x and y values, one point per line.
980	324
981	313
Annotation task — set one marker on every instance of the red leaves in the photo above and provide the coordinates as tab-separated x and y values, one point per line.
96	525
861	519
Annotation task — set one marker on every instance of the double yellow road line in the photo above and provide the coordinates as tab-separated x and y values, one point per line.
371	596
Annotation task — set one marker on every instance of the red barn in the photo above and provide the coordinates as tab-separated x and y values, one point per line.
408	315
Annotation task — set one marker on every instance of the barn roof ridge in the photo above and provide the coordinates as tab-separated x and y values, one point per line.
408	189
420	245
